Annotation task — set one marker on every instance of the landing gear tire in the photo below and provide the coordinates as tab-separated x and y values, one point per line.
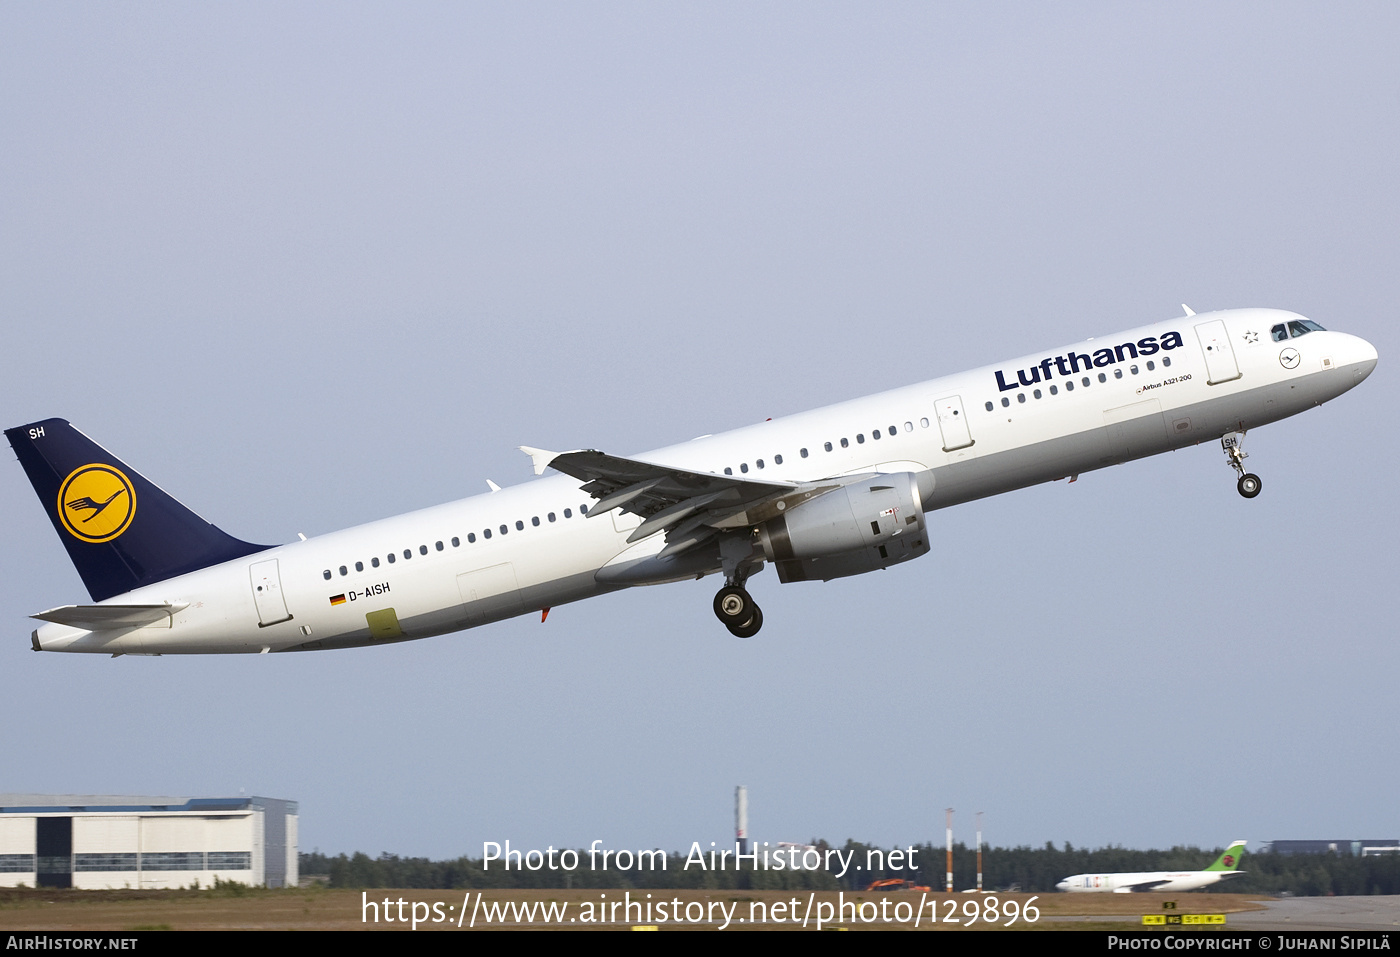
1249	485
733	605
751	628
738	612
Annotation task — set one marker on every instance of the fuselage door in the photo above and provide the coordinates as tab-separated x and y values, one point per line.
1220	356
952	422
267	593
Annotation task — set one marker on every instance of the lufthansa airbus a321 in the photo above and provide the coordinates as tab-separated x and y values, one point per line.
839	491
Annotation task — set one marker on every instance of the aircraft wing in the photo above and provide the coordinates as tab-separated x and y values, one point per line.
691	507
1144	886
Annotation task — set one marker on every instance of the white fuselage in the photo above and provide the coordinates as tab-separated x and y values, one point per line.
1164	881
943	430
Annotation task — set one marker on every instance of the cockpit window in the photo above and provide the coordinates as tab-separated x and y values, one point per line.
1301	327
1279	332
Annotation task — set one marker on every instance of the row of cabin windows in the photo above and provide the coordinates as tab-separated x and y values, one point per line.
1069	383
456	542
845	444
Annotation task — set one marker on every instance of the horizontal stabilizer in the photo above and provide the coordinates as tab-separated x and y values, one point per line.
111	617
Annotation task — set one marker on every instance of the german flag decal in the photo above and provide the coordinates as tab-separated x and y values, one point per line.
337	599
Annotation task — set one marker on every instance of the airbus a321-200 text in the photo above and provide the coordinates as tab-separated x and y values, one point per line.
838	491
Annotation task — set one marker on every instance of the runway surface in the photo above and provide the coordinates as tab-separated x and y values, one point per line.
1322	913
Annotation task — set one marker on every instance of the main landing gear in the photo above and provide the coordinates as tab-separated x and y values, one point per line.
733	606
738	611
1249	484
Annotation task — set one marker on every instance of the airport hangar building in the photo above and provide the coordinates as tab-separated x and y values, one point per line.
101	841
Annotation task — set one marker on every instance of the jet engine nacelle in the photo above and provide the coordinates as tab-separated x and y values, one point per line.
864	526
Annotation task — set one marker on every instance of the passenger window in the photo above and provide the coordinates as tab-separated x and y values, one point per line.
1166	360
422	549
344	571
519	525
1069	386
408	553
845	443
923	423
828	446
759	463
909	426
550	516
1102	377
777	460
1054	390
875	434
391	558
744	467
860	438
989	406
374	562
456	542
727	471
1005	402
569	513
583	509
1020	397
1117	373
1132	369
893	430
1036	393
505	529
471	538
485	533
359	566
439	546
535	521
804	453
1086	382
1151	365
327	573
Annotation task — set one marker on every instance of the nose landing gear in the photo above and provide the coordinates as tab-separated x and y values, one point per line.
1249	484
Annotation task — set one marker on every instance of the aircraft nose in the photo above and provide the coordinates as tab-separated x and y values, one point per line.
1062	886
1366	358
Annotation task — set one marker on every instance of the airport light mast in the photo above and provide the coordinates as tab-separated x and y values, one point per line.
948	884
979	852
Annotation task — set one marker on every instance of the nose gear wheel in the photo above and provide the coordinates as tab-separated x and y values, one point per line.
1249	484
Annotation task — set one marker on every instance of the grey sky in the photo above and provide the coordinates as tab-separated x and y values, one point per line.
311	265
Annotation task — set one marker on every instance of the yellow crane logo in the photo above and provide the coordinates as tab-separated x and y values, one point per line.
96	503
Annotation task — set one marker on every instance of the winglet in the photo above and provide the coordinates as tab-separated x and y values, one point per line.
540	457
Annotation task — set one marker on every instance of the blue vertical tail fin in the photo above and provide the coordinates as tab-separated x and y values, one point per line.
121	531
